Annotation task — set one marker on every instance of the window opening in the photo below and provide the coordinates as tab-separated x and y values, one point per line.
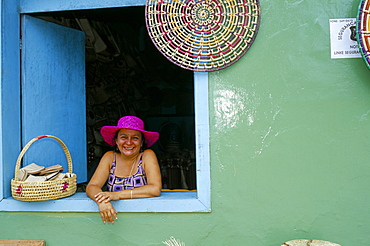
127	75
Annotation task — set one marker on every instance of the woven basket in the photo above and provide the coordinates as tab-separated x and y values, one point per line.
363	30
47	190
202	36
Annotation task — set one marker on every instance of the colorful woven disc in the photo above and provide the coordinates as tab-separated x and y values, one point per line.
202	35
363	30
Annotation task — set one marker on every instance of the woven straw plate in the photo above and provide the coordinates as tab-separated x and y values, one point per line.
305	242
205	35
363	30
47	190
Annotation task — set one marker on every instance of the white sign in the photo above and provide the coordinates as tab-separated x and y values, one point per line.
343	40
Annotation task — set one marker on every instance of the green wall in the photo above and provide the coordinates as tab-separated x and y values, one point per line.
289	148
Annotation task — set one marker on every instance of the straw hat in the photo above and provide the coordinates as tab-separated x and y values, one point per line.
128	122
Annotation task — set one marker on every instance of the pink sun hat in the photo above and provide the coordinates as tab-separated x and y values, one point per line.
128	122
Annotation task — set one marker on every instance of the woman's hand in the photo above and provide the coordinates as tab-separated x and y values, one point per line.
107	212
104	197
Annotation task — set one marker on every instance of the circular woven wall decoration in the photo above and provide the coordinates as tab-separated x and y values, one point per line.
363	30
202	35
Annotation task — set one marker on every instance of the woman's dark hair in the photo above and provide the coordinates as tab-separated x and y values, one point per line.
143	143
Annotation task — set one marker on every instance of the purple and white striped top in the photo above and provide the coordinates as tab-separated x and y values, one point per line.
126	183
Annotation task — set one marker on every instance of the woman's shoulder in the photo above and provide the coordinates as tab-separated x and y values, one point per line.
109	153
148	155
148	152
108	156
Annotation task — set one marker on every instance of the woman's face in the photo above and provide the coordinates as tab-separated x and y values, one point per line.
129	141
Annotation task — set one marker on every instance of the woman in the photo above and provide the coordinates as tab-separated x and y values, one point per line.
132	171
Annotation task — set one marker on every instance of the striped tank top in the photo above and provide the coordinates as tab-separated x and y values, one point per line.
126	183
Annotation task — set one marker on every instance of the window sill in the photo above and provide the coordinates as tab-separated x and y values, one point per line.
79	202
178	190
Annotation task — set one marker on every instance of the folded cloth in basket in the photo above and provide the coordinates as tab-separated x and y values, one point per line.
33	168
22	175
51	169
34	178
36	173
49	177
61	176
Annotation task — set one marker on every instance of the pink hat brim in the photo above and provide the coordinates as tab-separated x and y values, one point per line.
108	133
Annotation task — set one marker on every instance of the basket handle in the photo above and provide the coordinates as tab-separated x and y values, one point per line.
26	147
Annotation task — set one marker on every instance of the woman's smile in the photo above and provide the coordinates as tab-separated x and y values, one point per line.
129	141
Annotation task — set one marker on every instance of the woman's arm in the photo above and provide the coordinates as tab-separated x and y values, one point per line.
94	187
100	176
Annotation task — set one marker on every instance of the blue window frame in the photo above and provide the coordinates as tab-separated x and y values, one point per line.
11	125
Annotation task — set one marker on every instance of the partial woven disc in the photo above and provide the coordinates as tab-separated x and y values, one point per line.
305	242
202	35
363	30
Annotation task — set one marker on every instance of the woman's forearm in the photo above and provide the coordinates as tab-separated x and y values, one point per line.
92	190
141	192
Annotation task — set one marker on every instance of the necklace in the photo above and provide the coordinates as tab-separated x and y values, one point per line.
126	180
132	166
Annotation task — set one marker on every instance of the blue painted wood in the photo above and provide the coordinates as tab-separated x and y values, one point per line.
10	94
167	202
33	6
53	94
202	138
